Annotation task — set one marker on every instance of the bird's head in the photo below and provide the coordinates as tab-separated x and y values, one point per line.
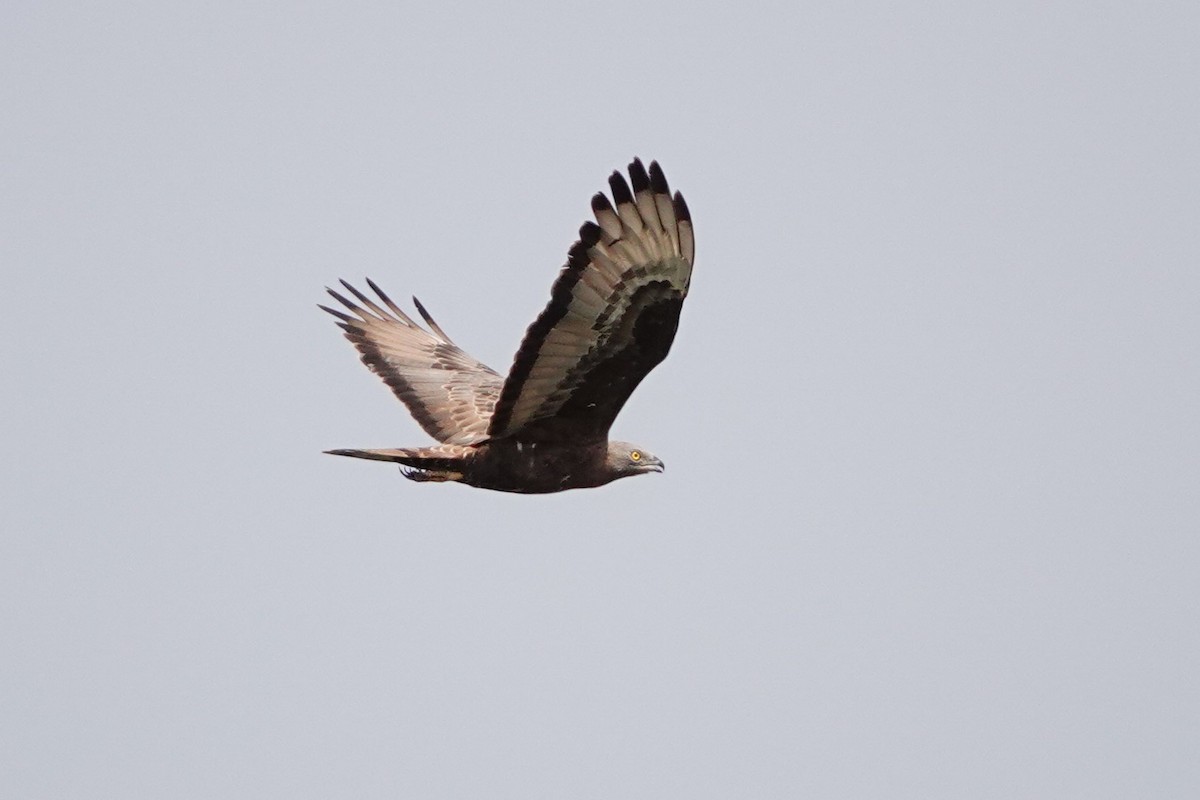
625	459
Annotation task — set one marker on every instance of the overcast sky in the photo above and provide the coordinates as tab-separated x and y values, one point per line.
929	526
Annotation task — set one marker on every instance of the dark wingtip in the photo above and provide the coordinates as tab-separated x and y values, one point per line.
620	189
335	312
638	177
375	288
341	299
600	203
424	314
658	181
681	209
362	298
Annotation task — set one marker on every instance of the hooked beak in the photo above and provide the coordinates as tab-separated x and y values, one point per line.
656	466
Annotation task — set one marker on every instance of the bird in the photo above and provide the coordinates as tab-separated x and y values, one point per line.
612	316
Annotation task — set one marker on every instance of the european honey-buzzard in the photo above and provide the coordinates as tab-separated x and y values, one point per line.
611	318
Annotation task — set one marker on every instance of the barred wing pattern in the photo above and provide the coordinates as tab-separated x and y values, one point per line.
612	315
448	392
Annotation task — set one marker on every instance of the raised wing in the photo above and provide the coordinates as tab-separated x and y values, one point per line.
448	392
611	318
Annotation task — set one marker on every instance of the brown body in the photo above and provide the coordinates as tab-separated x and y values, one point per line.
612	317
535	468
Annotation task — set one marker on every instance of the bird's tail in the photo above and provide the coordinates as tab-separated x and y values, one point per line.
443	463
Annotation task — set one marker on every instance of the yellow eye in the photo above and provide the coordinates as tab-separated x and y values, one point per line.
634	455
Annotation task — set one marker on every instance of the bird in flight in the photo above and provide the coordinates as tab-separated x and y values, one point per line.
611	318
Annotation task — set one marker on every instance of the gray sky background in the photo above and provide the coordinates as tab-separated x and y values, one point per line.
929	525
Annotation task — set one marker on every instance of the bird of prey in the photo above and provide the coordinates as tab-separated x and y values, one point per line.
612	316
